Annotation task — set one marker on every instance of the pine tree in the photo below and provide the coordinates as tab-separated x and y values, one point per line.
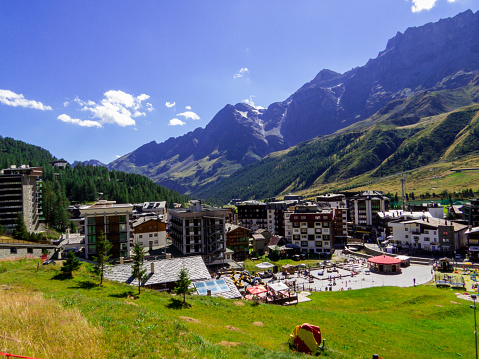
183	284
20	231
71	264
136	269
103	247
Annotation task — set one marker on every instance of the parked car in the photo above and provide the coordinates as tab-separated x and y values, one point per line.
48	262
296	257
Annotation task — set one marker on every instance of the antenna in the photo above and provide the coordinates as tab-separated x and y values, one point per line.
403	193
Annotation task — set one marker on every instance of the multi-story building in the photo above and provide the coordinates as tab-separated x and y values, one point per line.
470	213
150	232
312	229
472	236
275	212
429	234
253	215
113	221
332	200
340	224
365	205
21	192
199	230
237	239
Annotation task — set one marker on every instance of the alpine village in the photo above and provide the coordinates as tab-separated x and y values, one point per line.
342	222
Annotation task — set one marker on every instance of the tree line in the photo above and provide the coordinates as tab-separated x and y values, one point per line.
81	184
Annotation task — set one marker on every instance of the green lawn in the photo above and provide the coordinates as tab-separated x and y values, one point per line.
418	322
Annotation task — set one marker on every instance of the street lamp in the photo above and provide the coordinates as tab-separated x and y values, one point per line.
473	296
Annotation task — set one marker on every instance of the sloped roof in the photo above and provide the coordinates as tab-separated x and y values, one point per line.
165	271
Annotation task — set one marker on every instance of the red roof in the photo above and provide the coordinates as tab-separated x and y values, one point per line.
384	260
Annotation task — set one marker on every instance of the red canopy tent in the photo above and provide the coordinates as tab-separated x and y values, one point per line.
385	264
257	290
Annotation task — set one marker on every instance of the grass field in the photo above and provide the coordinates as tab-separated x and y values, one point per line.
110	322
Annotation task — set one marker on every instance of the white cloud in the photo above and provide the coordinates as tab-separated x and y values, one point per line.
176	122
149	107
117	156
116	107
188	107
189	115
243	71
170	104
76	121
66	103
250	102
419	5
11	98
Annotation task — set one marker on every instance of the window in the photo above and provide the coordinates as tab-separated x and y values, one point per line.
151	235
325	224
426	239
406	229
122	227
319	244
406	236
122	246
140	236
13	251
304	244
30	250
122	219
156	234
141	243
92	239
91	220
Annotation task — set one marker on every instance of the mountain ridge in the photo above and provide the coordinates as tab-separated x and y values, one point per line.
436	56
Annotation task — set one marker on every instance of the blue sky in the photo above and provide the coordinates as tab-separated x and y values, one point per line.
96	80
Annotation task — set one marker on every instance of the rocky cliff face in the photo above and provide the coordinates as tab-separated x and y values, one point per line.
434	56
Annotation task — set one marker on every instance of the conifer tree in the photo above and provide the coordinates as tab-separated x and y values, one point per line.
20	231
136	269
183	284
103	247
71	264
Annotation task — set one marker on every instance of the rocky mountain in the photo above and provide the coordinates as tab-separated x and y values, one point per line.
434	57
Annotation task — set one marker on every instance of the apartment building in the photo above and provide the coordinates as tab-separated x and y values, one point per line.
21	192
114	221
470	213
199	230
237	239
313	229
429	235
365	205
275	213
150	232
253	215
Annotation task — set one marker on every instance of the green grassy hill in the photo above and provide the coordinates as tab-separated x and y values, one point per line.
418	322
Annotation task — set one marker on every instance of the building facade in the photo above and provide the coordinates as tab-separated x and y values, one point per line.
112	220
237	239
312	229
150	233
199	230
470	213
21	192
428	235
253	215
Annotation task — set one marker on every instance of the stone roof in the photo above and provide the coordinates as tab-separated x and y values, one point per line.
165	271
